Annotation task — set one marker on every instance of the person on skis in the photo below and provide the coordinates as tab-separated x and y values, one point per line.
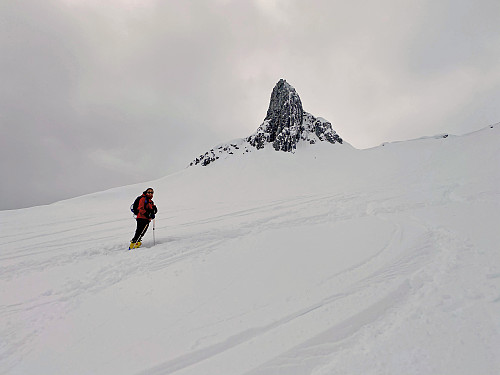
146	211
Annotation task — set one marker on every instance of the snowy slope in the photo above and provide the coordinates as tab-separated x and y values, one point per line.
327	261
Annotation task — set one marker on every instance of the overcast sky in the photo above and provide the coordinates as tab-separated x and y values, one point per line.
101	93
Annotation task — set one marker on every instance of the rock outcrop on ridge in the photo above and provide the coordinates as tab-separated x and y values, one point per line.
285	126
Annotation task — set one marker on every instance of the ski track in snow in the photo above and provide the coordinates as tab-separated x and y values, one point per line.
422	270
387	290
354	285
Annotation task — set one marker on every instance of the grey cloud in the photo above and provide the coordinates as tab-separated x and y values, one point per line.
100	95
451	34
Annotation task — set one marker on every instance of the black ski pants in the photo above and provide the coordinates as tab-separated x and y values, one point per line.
142	227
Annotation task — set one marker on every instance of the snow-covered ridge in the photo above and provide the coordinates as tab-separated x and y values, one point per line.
286	125
441	136
329	261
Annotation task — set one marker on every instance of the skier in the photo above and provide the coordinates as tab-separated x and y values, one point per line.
145	211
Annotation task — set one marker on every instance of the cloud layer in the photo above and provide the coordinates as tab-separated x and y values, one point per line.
98	94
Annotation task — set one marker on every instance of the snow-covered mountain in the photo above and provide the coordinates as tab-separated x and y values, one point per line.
326	261
285	127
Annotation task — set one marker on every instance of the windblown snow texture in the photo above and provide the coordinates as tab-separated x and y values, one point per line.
285	125
267	265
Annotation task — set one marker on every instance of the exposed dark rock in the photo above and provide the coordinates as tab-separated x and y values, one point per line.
283	120
285	125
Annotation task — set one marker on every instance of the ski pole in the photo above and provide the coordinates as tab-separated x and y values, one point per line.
154	239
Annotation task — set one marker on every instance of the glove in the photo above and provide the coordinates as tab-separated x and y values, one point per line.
150	214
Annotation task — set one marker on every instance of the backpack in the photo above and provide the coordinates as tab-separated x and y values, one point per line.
134	207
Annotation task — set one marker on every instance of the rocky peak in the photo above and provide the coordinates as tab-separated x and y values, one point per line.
285	125
283	119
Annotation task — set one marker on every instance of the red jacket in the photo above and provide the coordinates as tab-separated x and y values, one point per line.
146	206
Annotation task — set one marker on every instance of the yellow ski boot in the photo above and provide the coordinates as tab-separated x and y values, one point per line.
132	245
138	244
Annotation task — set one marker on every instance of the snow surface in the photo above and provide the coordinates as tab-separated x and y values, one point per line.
327	261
